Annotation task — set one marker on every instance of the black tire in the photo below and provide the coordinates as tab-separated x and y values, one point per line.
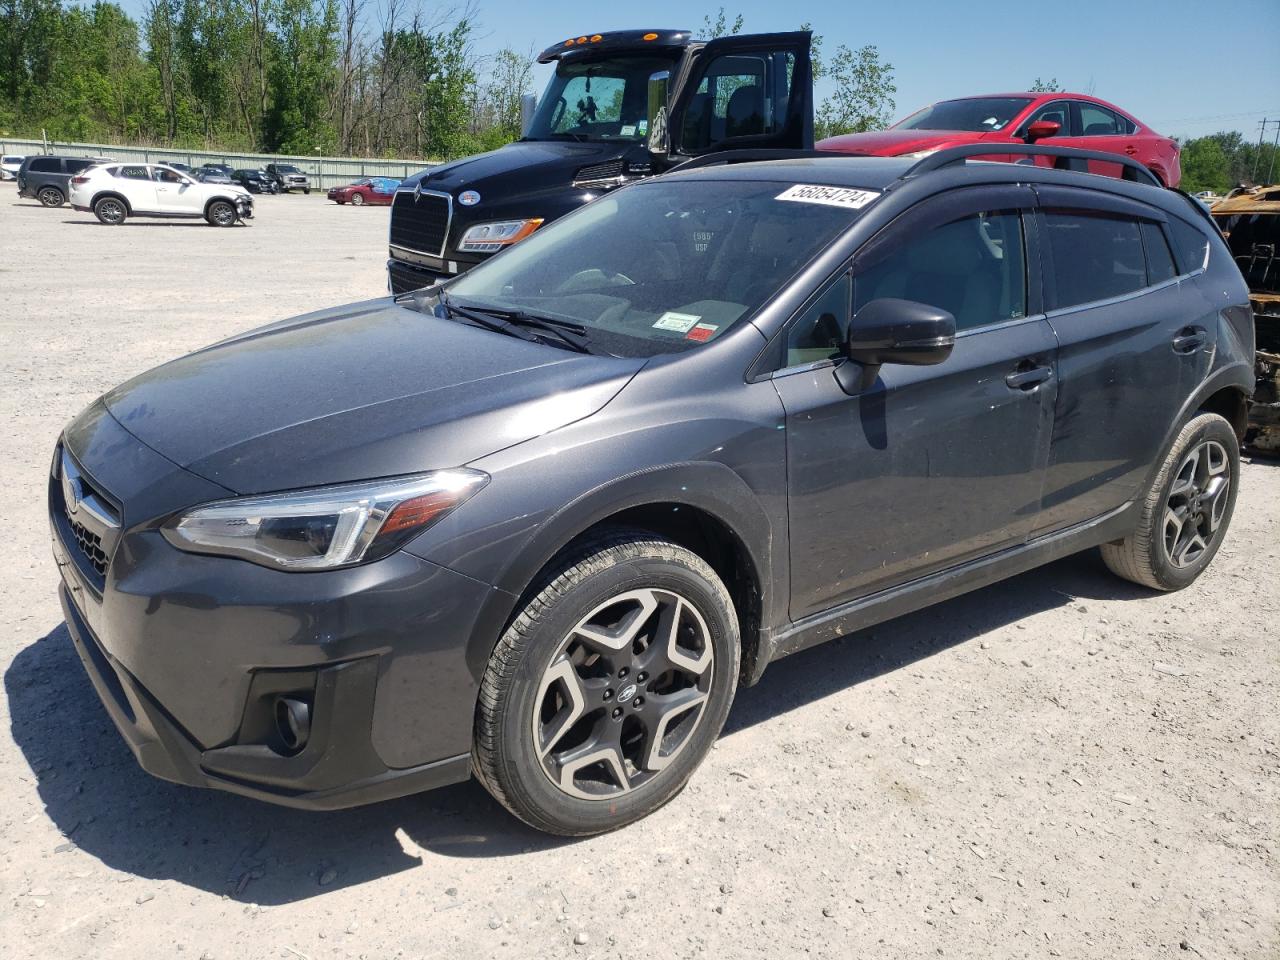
1162	553
221	213
51	196
306	191
357	200
514	694
110	211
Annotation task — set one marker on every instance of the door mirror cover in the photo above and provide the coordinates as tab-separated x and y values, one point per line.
1042	129
657	143
889	330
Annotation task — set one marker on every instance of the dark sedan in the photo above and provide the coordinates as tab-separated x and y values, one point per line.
255	181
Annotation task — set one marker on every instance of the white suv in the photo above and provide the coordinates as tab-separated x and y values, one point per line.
114	192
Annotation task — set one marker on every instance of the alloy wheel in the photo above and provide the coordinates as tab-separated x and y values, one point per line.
222	214
1197	500
50	197
623	694
357	200
111	211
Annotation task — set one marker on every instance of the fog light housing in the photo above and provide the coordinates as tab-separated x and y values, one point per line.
293	722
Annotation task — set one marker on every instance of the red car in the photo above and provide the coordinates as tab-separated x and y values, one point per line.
377	190
1055	119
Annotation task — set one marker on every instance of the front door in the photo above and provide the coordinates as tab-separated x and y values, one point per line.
753	91
176	193
931	466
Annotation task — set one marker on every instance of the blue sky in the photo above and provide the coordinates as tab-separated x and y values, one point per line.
1182	68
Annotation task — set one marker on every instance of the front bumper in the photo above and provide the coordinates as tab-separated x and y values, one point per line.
192	654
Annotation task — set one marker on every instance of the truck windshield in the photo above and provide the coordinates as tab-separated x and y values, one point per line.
974	114
598	100
662	266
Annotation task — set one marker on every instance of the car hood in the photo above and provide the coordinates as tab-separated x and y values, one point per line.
550	161
367	390
893	143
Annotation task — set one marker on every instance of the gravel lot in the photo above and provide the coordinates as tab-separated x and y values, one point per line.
1060	765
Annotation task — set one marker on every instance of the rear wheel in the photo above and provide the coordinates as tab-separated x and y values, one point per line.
357	200
50	196
1187	510
111	211
221	214
609	687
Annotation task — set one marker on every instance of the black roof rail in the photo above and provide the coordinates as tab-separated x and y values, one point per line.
1065	158
751	156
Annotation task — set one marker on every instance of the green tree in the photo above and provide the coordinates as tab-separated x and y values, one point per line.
302	76
863	96
1046	86
509	79
721	26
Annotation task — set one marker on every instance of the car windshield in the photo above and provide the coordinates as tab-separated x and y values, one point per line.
606	99
663	266
286	168
974	115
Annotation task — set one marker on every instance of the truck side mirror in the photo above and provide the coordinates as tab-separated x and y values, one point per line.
657	112
528	104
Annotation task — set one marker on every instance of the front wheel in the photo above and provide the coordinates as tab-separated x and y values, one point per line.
609	687
1186	511
357	200
50	196
221	214
111	211
306	191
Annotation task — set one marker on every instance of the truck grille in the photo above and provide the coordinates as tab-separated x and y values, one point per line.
90	545
420	223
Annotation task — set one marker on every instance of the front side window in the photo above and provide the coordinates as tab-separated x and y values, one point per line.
597	100
822	327
974	268
975	114
76	166
740	95
168	176
1059	112
660	267
1095	255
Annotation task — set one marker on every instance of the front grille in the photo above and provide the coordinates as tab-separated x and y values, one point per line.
420	223
405	278
90	545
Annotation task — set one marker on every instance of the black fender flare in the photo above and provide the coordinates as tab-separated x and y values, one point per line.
707	486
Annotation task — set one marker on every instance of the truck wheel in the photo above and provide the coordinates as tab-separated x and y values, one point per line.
221	214
609	687
357	200
111	211
306	191
50	196
1186	511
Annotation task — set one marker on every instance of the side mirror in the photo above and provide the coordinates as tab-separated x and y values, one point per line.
1041	129
894	331
528	104
658	134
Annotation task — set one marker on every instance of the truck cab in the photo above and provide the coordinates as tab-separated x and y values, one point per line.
620	106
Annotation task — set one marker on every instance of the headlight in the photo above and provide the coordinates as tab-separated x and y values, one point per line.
324	527
489	237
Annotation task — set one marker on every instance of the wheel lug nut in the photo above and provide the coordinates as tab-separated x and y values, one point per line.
623	673
608	694
641	677
617	712
639	702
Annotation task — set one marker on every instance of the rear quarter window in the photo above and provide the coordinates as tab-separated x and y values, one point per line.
1096	256
1159	259
1190	245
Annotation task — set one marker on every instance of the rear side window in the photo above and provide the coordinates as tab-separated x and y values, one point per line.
1095	256
45	165
135	173
1096	121
1189	246
1159	258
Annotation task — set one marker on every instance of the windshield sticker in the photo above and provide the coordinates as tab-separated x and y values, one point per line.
846	197
702	332
628	131
679	322
642	127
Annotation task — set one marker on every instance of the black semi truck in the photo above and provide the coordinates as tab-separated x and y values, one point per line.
621	106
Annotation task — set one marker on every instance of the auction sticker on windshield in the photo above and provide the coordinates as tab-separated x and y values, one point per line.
830	196
679	322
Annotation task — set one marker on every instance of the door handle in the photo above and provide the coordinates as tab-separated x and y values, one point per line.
1188	340
1028	377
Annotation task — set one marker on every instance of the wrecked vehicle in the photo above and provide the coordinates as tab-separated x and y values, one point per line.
1250	222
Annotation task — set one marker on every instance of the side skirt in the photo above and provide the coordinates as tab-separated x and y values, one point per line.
945	584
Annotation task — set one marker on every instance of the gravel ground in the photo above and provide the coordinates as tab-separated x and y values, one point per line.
1060	765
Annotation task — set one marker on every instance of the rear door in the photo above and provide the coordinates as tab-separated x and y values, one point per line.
134	181
1131	348
753	91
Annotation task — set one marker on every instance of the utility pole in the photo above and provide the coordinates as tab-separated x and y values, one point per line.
1275	145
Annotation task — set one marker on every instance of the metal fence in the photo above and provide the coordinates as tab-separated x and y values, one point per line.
324	172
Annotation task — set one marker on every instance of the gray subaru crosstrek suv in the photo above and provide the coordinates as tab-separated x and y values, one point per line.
537	523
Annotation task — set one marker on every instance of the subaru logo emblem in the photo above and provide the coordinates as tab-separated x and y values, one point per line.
468	198
70	492
626	693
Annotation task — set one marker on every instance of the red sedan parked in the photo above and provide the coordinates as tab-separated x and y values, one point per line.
1054	119
377	190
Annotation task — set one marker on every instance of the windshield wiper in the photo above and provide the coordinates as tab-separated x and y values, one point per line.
519	323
